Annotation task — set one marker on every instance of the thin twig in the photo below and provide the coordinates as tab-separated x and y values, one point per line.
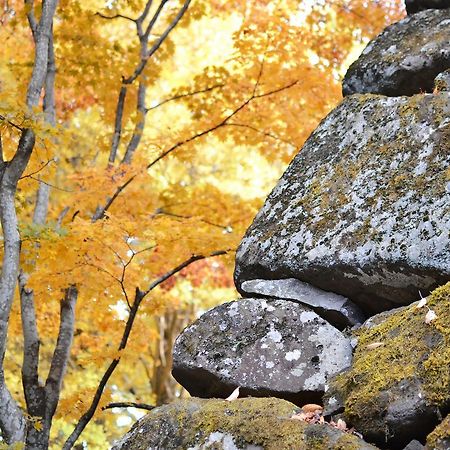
17	127
128	405
179	96
116	16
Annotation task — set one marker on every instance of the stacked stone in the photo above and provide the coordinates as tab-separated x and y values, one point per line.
358	227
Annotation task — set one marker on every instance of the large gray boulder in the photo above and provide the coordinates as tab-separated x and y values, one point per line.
248	424
364	209
267	348
413	6
405	58
334	308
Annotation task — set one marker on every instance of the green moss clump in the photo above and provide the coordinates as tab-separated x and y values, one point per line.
440	437
260	422
411	350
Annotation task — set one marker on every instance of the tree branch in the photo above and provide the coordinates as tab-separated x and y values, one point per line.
17	127
139	128
100	212
139	296
62	350
116	16
118	124
34	393
179	96
128	405
154	19
157	44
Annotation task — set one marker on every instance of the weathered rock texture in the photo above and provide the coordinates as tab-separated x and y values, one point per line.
334	308
268	348
405	58
364	209
413	6
398	387
251	424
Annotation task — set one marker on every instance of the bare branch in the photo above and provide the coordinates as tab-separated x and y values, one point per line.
116	16
154	19
145	12
17	127
180	216
157	44
128	405
30	175
189	94
139	296
257	130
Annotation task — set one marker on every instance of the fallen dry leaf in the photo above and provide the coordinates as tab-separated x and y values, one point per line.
341	425
300	416
422	303
234	395
312	407
374	345
430	316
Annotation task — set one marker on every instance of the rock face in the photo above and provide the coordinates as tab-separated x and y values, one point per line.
267	348
398	387
250	424
334	308
364	209
413	6
405	58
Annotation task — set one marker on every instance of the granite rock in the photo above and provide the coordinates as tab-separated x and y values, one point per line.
405	58
247	424
267	348
364	209
334	308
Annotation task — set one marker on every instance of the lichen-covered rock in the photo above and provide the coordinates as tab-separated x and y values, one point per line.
442	81
398	387
268	348
334	308
250	424
413	6
364	209
405	58
439	438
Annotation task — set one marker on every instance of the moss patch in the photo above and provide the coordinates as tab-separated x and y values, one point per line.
411	350
262	422
440	437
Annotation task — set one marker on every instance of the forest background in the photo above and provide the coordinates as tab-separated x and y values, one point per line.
138	140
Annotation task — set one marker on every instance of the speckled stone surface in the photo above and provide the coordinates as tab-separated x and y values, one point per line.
405	58
364	209
334	308
268	348
413	6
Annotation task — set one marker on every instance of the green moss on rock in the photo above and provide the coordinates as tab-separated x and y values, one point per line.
439	439
263	423
412	359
